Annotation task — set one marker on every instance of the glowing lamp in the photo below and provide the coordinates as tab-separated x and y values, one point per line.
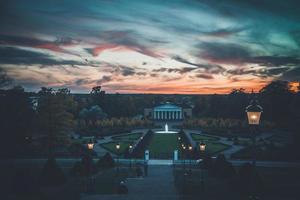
190	147
202	146
118	146
254	111
90	145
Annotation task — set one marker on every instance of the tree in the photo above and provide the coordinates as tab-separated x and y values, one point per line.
276	96
55	115
4	79
16	120
52	174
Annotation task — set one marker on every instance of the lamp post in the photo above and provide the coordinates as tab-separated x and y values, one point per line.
190	156
254	111
130	151
183	155
90	180
202	147
118	146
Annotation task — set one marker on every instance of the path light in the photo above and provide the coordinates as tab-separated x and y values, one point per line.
130	146
118	146
90	145
202	146
190	147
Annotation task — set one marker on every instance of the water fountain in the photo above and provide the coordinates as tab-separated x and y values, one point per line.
166	130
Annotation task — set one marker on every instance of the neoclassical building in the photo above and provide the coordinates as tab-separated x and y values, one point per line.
167	111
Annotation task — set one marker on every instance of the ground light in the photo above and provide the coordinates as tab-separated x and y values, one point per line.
129	153
190	156
202	147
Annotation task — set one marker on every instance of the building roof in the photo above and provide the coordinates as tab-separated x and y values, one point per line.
167	106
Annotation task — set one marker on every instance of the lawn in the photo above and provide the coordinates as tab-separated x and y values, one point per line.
163	145
215	147
111	146
128	137
198	137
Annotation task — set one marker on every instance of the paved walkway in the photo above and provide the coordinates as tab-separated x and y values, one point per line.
159	184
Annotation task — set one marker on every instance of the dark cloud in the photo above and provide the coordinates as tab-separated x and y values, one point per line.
123	39
55	45
291	75
204	76
223	33
274	61
208	68
175	70
104	79
236	54
127	71
223	53
12	55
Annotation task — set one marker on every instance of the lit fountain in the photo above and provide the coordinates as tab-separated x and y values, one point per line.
166	130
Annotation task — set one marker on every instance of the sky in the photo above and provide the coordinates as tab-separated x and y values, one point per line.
139	46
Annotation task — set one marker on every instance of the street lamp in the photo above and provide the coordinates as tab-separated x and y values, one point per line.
118	146
183	154
254	111
130	151
179	138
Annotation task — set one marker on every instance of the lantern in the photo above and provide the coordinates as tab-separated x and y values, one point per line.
118	146
254	111
90	145
202	146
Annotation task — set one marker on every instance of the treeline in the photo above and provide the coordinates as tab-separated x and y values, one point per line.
281	105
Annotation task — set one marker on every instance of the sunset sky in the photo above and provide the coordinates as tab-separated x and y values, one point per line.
139	46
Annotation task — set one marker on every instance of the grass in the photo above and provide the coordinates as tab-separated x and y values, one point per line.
128	137
111	146
198	137
163	145
215	147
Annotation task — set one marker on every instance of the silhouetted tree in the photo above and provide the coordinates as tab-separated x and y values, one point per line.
52	174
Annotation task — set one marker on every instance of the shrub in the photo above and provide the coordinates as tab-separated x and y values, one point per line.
106	161
52	174
249	181
222	168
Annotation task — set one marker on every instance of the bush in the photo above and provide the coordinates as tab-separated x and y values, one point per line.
222	168
52	174
249	181
85	167
106	161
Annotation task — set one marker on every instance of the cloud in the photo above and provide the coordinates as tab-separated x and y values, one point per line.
223	53
291	75
205	76
12	55
223	33
55	46
208	68
104	79
122	40
175	70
